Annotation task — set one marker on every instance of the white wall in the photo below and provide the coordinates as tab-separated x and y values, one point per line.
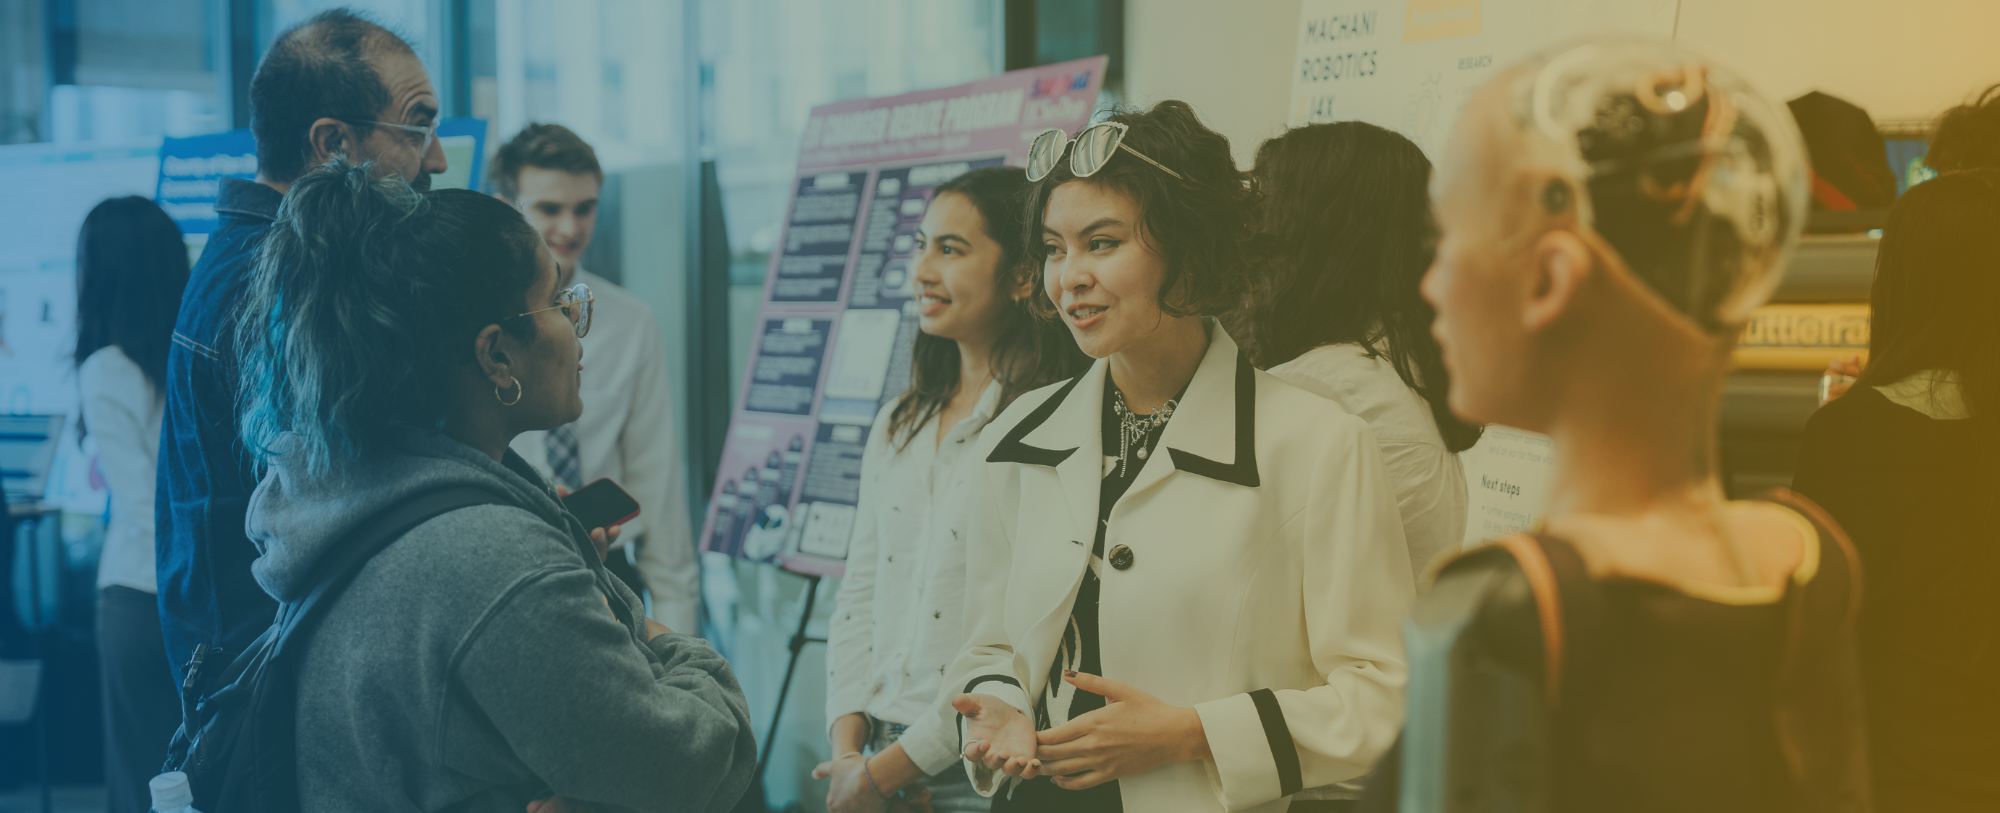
1909	59
1231	60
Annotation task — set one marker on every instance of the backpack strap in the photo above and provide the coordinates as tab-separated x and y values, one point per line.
1820	722
1566	601
1830	535
376	533
1534	563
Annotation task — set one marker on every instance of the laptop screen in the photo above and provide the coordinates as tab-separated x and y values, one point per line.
27	449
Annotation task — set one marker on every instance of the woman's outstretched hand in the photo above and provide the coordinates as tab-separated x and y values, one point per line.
998	735
1134	733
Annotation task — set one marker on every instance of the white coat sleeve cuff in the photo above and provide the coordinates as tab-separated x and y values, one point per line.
928	742
985	780
1256	760
1005	689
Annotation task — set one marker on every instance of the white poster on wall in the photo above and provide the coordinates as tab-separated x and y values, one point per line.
1410	65
1507	480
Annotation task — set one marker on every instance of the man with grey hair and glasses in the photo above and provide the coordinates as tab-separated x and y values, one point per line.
336	85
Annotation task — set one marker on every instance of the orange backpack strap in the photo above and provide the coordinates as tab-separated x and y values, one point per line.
1534	563
1830	532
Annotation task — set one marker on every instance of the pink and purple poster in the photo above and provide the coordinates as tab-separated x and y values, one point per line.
833	337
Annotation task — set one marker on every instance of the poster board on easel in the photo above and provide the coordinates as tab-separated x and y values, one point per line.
833	335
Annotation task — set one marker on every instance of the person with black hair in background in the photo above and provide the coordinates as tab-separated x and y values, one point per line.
335	85
394	343
1965	137
1905	461
1184	575
1337	312
898	623
131	266
1612	213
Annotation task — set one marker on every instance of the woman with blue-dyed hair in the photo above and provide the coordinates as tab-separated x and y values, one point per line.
391	344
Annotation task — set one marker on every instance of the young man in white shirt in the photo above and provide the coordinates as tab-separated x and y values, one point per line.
627	429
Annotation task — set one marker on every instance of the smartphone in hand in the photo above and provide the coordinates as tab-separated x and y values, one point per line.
601	504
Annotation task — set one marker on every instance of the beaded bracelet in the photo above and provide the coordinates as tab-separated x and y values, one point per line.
871	781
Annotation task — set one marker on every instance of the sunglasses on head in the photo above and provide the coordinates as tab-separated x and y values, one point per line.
1093	148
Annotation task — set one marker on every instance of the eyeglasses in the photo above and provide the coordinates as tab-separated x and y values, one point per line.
429	132
1094	147
575	303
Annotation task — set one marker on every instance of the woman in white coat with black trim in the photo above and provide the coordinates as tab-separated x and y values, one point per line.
1185	577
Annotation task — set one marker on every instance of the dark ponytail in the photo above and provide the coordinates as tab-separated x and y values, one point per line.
363	301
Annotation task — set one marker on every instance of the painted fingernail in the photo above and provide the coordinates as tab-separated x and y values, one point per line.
1069	673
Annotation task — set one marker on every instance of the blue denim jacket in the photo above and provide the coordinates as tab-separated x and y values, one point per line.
207	594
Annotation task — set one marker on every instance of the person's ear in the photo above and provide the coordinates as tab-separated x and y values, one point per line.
330	138
495	364
1562	263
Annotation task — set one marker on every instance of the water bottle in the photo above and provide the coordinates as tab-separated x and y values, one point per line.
171	793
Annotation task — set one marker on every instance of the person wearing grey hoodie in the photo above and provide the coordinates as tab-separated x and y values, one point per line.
393	342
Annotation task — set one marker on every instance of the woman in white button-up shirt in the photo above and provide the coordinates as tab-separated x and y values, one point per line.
1337	312
897	624
131	267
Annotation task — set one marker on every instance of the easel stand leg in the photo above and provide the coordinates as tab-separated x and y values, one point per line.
798	644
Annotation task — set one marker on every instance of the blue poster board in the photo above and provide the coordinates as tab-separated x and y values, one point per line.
191	172
464	143
192	169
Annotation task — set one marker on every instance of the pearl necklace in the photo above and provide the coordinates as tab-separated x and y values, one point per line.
1133	429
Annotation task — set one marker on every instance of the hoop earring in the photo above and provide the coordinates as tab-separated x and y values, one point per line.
518	392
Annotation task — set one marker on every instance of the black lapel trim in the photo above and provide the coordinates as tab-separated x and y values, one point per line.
1243	472
1012	450
1283	751
982	679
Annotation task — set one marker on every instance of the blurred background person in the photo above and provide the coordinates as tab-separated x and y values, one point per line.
335	85
131	266
1612	213
1336	310
898	620
1965	137
1906	462
627	429
394	343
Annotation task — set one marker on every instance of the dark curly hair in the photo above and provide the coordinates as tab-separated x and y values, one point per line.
1200	224
1967	136
361	303
1346	209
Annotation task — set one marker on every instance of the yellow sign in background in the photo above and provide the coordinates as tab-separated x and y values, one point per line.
1803	337
1426	20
